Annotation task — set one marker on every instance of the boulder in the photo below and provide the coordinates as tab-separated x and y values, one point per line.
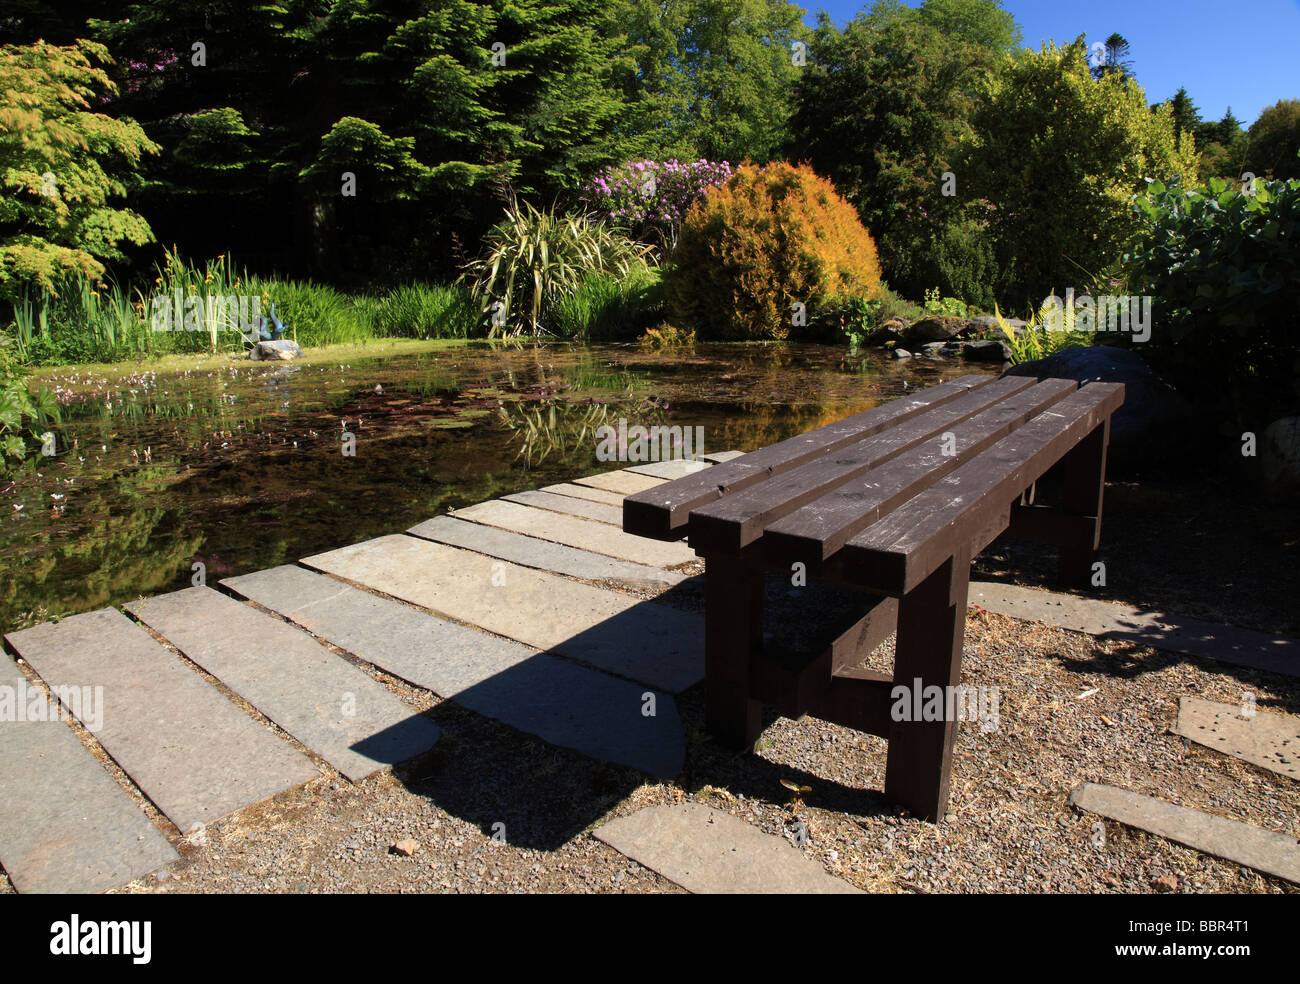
283	349
1153	419
935	350
901	353
988	350
887	331
1279	459
934	328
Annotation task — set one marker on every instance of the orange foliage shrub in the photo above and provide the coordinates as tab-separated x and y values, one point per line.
769	239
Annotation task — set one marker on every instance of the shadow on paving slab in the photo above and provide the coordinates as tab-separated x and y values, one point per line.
487	772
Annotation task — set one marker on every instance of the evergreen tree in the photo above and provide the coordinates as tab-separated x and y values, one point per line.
1187	117
882	113
1115	58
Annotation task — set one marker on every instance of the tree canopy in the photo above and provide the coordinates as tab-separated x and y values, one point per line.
63	165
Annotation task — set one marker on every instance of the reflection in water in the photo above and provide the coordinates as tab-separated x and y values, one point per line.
244	467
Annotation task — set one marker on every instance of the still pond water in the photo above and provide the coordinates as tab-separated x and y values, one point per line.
240	466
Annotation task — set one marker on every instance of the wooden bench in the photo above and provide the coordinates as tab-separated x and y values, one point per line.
894	502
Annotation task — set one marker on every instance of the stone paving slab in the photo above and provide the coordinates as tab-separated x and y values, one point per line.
1271	741
642	640
709	851
668	470
325	702
65	824
622	482
598	511
585	492
1112	620
581	533
1264	850
563	703
195	754
528	551
721	456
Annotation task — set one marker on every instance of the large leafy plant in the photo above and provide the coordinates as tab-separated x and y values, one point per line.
1036	340
1222	264
532	258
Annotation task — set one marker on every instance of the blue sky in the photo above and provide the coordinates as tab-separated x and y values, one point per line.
1245	54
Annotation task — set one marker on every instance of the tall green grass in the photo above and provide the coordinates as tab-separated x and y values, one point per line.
427	311
604	306
86	321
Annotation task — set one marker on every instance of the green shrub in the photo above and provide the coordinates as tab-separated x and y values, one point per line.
1223	268
1060	156
963	264
767	241
427	311
936	303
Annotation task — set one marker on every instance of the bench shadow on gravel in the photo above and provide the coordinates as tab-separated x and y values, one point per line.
488	773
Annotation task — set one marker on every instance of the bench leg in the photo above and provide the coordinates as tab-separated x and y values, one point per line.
733	636
1085	484
931	630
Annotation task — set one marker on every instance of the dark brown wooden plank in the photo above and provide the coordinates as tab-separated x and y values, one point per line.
858	699
1043	524
1085	484
796	683
815	532
664	512
740	518
902	549
931	631
733	638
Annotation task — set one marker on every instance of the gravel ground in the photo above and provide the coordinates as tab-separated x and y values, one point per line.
1219	553
1009	826
496	810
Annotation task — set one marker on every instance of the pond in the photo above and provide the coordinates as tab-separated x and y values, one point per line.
242	466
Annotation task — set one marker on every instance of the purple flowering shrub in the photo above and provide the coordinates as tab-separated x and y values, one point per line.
149	72
650	198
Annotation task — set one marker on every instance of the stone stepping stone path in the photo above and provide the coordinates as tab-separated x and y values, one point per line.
598	511
65	824
528	551
622	482
1112	620
197	756
1271	741
708	851
325	702
1242	843
585	492
553	698
721	457
581	533
668	470
644	641
582	667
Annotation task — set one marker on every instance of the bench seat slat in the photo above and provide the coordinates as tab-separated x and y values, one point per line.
740	518
814	533
664	512
902	549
